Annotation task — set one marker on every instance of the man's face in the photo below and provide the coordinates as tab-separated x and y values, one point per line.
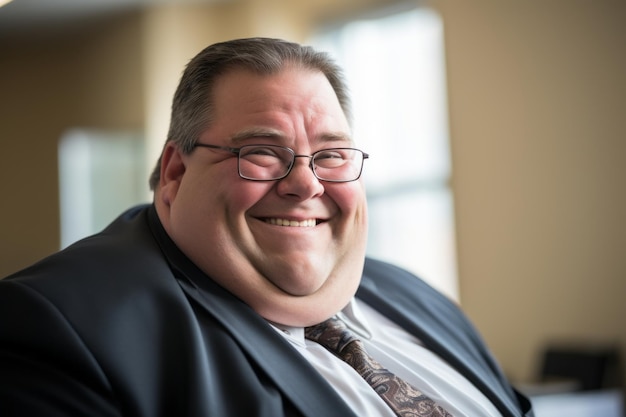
296	274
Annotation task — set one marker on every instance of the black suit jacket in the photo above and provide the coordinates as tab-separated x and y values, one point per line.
122	323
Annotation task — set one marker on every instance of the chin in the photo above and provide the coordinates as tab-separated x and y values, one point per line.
301	278
299	287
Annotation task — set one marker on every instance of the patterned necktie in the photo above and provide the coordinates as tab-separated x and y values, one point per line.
402	398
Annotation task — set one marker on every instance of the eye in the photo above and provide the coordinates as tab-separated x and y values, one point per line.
263	155
331	158
259	151
330	154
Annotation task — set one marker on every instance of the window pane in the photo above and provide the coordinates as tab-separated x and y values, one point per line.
416	231
100	175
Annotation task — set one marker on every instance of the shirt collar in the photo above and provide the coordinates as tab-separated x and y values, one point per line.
351	315
355	320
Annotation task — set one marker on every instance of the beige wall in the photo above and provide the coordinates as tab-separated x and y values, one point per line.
84	76
538	129
537	102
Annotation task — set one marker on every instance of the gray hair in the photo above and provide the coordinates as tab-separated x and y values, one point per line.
192	107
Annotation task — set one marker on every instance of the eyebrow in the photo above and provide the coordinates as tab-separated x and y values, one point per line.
336	136
256	132
262	132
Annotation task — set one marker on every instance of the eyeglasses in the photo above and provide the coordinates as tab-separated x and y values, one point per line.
273	162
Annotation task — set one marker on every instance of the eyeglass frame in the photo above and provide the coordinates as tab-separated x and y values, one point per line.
237	151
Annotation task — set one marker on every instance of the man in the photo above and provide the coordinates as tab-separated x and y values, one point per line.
197	305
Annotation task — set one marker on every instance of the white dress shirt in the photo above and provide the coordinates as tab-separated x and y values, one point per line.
399	352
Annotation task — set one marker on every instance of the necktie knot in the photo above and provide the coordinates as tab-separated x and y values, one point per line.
333	334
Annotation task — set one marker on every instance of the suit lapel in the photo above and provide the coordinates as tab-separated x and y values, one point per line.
293	375
439	324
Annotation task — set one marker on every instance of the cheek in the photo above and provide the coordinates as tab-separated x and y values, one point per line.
211	214
350	198
239	197
228	205
220	192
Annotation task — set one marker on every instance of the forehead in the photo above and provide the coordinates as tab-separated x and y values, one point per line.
292	89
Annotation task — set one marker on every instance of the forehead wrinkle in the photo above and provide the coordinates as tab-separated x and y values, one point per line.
255	132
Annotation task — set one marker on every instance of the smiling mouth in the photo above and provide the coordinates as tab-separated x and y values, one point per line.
293	223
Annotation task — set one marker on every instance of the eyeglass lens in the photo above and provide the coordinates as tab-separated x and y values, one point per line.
271	162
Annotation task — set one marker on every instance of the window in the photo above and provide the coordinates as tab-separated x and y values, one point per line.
395	68
101	174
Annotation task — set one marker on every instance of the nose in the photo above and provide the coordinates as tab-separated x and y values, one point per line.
301	182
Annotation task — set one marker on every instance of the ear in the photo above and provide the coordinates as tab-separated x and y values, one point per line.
172	171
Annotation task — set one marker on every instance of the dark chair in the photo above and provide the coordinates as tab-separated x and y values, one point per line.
592	368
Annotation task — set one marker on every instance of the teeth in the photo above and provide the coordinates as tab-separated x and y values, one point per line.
291	223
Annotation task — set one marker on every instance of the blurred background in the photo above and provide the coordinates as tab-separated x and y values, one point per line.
497	134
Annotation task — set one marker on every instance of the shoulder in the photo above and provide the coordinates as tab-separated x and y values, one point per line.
116	269
126	241
89	318
404	297
392	281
